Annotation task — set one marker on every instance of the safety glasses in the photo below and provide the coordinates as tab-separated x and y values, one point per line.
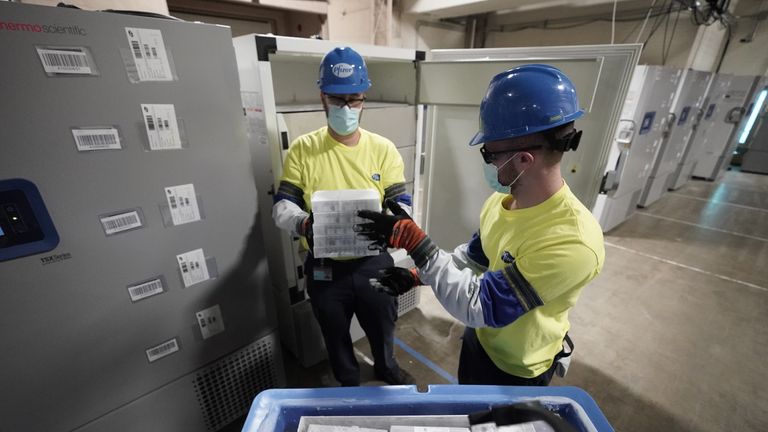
339	101
490	157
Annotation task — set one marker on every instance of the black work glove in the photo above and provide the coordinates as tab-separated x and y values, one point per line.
395	280
381	230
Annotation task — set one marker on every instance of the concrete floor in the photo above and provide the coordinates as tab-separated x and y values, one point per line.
672	336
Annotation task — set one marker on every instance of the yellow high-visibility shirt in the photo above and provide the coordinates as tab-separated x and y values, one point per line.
557	246
316	161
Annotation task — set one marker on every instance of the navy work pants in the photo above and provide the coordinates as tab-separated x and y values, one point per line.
475	367
349	292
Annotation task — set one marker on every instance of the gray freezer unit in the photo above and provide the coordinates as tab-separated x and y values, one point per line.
718	141
641	129
754	135
136	290
689	99
713	127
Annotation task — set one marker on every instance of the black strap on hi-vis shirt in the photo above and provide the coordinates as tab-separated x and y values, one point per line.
563	353
518	413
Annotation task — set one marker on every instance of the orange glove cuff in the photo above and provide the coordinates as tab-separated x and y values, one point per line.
406	235
415	273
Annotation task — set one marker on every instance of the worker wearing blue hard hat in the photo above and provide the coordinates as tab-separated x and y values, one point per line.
514	282
342	155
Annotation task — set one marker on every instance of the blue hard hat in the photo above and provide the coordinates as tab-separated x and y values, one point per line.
343	71
525	100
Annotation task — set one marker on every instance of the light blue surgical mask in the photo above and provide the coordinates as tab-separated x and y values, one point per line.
343	120
491	173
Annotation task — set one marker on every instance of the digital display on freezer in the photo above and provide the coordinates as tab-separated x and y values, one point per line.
26	227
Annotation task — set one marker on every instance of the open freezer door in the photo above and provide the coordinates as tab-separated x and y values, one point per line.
451	85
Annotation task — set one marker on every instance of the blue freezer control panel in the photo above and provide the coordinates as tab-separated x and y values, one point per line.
26	227
647	123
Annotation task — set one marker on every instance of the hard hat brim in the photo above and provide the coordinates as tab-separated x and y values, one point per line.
480	137
345	88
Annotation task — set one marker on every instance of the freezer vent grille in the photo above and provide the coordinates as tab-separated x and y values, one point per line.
226	389
408	301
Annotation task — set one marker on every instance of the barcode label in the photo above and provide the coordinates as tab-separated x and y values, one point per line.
96	139
182	203
193	267
162	126
162	350
149	54
136	49
65	61
121	222
146	289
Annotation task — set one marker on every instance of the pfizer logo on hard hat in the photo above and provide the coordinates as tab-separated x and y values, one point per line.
343	70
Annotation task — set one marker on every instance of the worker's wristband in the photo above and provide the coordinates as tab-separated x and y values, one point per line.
423	251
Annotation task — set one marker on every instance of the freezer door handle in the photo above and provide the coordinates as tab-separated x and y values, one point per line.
734	115
699	116
610	181
626	132
669	124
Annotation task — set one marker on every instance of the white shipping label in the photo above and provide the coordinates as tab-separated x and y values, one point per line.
121	222
148	51
182	202
164	349
253	106
161	125
193	268
210	321
96	139
65	61
145	289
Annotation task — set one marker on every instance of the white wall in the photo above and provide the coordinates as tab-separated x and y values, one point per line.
351	21
698	47
600	33
356	20
707	49
748	58
426	35
239	27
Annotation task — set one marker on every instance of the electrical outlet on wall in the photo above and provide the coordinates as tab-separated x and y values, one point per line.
210	321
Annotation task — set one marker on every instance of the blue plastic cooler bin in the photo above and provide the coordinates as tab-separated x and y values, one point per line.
280	410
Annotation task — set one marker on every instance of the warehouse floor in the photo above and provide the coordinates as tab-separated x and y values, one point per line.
672	336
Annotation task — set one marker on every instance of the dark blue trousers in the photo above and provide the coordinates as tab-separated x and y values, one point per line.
349	292
475	367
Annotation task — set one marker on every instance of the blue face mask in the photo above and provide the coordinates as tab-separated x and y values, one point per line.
343	120
491	173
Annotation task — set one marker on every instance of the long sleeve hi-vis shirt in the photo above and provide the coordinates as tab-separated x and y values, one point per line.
316	161
516	280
